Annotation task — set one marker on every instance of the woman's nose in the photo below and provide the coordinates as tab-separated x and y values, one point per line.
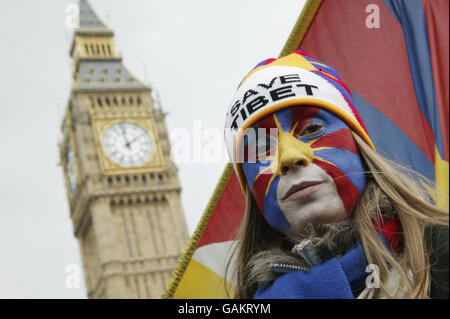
292	152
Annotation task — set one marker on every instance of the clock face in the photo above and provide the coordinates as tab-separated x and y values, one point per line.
71	169
127	144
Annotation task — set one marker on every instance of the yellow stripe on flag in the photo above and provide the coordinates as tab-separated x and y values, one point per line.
442	188
195	287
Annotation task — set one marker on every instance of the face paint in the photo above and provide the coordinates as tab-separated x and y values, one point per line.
308	170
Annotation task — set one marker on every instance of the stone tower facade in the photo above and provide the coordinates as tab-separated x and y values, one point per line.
123	188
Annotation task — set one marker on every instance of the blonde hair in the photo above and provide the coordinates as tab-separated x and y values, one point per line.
411	201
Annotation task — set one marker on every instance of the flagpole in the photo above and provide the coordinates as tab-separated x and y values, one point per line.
301	26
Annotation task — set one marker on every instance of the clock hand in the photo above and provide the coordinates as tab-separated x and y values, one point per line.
127	144
133	140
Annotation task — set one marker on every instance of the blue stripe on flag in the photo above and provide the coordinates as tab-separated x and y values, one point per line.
409	14
390	141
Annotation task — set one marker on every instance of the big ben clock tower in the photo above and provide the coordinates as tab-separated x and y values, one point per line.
123	188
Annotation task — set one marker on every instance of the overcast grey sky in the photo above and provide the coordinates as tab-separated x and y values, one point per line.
194	53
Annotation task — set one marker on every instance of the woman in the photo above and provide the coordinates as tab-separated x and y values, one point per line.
326	216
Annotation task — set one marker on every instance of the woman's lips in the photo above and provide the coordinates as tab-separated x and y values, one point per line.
301	190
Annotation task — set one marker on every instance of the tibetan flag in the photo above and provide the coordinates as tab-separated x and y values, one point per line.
201	269
394	56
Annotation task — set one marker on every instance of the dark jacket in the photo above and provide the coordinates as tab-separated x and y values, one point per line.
437	239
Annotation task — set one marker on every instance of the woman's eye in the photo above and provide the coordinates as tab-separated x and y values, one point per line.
311	129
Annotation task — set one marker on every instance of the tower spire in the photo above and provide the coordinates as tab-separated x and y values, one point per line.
97	64
88	17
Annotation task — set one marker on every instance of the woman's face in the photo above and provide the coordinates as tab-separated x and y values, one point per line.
303	166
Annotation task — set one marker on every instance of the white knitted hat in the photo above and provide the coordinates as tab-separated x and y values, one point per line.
274	84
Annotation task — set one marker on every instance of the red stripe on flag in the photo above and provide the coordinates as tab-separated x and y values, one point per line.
373	62
227	215
437	20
